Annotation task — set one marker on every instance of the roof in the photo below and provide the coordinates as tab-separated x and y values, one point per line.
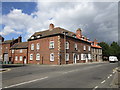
8	41
96	46
20	45
54	31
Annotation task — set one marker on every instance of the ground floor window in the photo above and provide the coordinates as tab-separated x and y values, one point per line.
31	56
52	57
78	57
21	58
83	56
37	56
16	58
67	56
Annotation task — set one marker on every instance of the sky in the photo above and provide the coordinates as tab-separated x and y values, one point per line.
96	19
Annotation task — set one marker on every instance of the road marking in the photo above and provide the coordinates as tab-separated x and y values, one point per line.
110	75
95	87
25	82
103	81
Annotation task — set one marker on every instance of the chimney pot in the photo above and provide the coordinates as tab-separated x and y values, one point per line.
51	26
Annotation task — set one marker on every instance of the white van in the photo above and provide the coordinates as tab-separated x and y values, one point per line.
113	59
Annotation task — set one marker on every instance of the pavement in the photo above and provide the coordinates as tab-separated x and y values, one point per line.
94	76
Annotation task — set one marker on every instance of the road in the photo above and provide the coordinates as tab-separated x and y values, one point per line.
95	75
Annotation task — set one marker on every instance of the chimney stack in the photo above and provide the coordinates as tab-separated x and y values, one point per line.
78	33
51	26
20	39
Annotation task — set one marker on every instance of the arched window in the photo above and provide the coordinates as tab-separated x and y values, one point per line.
32	46
67	45
31	56
37	56
38	46
52	57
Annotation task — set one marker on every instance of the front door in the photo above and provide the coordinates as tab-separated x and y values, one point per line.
25	61
6	58
74	58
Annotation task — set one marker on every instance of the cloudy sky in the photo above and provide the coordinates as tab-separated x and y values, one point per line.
96	19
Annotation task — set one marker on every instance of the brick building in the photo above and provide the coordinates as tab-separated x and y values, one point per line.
96	51
6	45
1	40
19	52
58	46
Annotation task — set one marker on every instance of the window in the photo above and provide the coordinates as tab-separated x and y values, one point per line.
20	58
6	47
37	56
51	44
32	46
52	57
75	46
31	56
12	51
84	47
38	36
83	56
38	46
89	48
89	56
67	45
16	58
78	57
20	50
67	56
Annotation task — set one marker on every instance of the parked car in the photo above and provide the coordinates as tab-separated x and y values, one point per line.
113	59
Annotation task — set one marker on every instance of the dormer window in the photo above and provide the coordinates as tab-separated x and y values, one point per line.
32	37
38	36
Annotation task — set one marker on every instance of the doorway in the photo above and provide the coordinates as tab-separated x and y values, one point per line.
74	58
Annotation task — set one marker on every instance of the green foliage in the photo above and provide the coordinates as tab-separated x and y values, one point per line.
110	50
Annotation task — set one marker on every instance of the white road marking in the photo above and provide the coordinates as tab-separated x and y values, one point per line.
25	82
113	72
103	81
110	75
95	87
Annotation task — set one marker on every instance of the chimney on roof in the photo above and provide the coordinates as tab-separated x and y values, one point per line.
95	41
51	26
79	33
20	39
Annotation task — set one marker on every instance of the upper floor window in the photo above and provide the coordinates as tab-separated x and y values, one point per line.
37	56
20	58
51	45
84	47
31	56
67	45
52	57
16	58
20	50
13	51
38	46
67	56
32	46
89	48
76	47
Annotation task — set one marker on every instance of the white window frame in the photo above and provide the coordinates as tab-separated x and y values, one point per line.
67	45
16	58
37	56
51	44
20	58
89	57
52	57
67	57
89	48
21	50
38	46
31	56
32	46
84	47
76	48
13	51
82	56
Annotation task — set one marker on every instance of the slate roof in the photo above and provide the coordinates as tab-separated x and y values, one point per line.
20	45
8	41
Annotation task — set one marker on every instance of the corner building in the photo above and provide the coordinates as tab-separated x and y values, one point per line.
58	46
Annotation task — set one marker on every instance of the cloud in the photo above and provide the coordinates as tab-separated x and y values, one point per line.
97	20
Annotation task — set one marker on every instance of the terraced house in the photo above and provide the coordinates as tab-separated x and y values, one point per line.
58	46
